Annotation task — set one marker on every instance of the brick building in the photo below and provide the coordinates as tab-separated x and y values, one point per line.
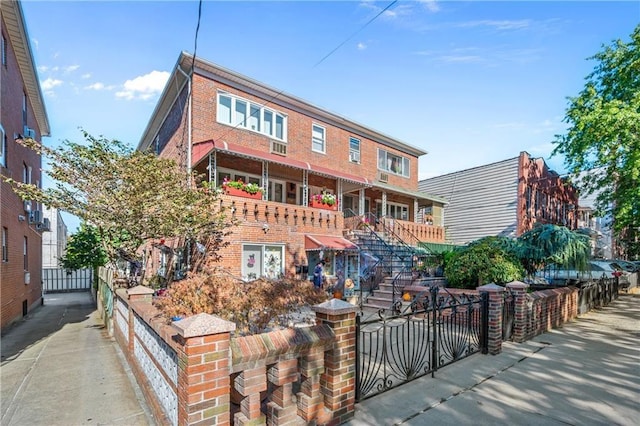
54	243
227	126
505	198
22	112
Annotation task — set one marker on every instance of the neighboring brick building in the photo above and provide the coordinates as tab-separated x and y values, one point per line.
22	112
239	128
505	198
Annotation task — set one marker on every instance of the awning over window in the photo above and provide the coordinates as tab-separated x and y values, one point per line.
202	149
328	242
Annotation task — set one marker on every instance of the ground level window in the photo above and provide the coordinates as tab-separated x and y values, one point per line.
262	261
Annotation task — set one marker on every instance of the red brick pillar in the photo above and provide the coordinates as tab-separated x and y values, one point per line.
496	300
137	294
204	370
281	409
339	379
249	383
519	292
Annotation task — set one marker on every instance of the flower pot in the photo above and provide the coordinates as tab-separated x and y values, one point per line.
320	205
229	190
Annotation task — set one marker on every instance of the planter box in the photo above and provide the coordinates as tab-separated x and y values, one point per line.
240	193
320	205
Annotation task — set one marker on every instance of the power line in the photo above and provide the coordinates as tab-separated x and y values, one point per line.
389	6
277	95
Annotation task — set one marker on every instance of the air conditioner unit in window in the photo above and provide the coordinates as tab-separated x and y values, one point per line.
27	206
354	157
45	226
383	177
35	217
278	148
29	132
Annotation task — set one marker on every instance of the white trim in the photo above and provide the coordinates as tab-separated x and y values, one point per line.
248	121
315	140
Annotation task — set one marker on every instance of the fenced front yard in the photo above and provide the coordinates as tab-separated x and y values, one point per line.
194	371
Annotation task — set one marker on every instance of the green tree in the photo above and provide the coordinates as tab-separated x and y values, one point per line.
131	197
84	249
602	144
552	244
487	260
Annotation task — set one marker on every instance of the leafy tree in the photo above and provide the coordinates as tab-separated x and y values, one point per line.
84	249
487	260
552	244
602	143
130	197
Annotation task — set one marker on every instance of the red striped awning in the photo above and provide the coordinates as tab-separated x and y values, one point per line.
328	242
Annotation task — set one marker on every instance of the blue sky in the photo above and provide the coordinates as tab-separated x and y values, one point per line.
470	82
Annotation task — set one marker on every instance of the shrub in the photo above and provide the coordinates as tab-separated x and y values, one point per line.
253	306
487	260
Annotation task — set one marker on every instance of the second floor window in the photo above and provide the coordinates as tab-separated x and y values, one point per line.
5	242
392	163
3	147
318	138
3	46
25	250
245	114
354	150
24	109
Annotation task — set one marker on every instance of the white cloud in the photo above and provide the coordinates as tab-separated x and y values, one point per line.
36	43
71	68
99	86
498	25
461	58
144	87
361	46
42	68
430	5
50	83
86	76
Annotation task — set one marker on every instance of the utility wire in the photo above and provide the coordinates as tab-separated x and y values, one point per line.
277	95
389	6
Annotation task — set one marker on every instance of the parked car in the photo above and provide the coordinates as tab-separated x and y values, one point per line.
595	269
613	269
626	265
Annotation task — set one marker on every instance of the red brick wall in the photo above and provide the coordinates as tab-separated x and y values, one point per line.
205	127
548	309
12	274
535	174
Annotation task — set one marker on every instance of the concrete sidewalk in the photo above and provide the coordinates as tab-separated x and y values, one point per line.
60	368
586	373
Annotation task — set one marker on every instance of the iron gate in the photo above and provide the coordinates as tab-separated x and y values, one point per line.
436	329
63	280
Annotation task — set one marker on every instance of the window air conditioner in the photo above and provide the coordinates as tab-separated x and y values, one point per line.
278	148
36	217
29	132
354	157
383	177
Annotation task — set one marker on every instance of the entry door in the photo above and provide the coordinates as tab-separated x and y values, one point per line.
277	191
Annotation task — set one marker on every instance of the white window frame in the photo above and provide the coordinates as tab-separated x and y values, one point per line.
3	147
261	263
236	174
393	206
317	140
4	50
250	122
5	244
383	163
272	190
354	154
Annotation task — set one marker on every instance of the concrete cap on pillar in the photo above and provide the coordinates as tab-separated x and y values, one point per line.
202	325
334	307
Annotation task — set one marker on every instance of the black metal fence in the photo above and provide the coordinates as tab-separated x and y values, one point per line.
436	329
596	293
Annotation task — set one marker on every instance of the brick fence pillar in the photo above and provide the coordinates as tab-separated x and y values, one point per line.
137	294
339	379
204	370
496	300
519	292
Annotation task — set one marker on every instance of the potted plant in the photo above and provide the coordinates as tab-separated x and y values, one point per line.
324	200
242	189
